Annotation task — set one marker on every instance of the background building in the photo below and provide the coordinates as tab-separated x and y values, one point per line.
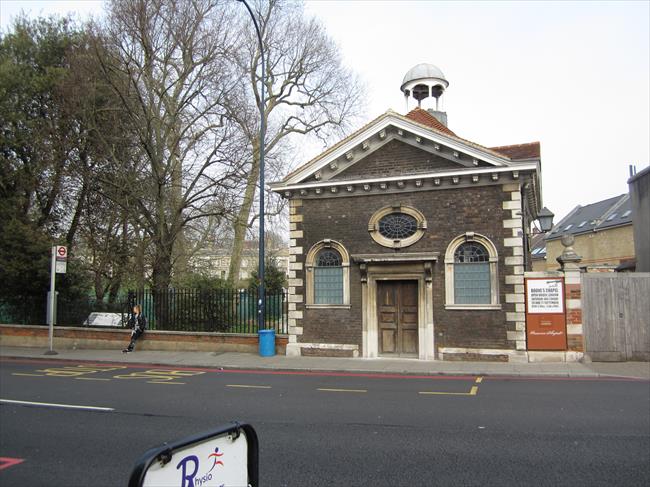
215	262
538	251
603	234
639	185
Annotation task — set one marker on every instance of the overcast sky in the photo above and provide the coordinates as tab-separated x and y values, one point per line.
575	76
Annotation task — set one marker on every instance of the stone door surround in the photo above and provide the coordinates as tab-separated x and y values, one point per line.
417	266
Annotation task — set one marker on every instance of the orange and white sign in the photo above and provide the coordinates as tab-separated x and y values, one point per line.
545	317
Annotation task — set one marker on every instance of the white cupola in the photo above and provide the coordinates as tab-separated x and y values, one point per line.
424	81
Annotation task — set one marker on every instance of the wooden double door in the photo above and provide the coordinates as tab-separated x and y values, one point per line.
397	315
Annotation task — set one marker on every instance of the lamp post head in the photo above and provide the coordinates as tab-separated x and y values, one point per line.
545	219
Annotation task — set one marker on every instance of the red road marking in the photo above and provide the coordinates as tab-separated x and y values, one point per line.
6	462
321	374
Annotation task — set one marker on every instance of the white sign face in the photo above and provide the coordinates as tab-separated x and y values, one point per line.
544	296
61	252
103	319
60	259
217	462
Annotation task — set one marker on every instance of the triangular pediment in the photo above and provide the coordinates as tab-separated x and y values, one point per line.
414	148
395	158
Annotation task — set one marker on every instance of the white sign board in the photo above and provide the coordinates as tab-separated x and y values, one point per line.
544	296
103	319
214	463
61	256
61	252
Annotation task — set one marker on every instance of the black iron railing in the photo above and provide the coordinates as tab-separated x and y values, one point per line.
32	310
221	310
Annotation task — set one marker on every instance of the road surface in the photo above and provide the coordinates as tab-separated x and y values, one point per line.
320	429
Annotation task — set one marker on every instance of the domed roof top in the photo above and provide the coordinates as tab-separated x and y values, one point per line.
422	71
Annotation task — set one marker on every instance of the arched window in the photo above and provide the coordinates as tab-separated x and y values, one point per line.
328	277
471	273
328	265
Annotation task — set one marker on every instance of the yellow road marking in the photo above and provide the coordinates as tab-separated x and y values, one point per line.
180	373
479	380
472	392
159	375
248	386
341	390
79	370
168	383
90	378
427	393
28	375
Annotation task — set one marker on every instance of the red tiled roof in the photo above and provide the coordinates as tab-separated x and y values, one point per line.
425	118
530	150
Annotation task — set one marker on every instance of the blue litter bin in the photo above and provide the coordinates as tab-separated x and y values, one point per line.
267	343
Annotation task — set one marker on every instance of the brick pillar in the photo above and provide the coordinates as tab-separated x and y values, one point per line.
296	277
569	261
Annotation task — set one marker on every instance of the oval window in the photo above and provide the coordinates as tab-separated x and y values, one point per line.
397	226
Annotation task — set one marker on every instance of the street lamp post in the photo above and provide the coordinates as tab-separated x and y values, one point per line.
260	272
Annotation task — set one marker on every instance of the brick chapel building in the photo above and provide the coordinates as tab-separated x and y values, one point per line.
408	240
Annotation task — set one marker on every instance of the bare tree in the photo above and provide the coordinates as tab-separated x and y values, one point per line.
167	61
309	92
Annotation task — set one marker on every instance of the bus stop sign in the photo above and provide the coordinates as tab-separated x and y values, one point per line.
61	259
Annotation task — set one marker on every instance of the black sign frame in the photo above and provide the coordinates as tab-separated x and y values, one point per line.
165	452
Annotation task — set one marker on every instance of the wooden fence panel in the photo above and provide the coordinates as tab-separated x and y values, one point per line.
616	316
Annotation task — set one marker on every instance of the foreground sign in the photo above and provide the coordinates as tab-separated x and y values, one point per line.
225	457
545	319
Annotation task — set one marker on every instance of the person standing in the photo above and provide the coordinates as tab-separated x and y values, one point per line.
138	323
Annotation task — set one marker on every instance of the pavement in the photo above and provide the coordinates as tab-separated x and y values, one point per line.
248	361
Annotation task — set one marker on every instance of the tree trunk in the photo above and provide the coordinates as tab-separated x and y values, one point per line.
241	222
162	271
99	286
74	225
162	266
114	289
81	201
121	262
180	257
140	277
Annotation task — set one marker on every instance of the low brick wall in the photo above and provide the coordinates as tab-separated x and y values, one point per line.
67	338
